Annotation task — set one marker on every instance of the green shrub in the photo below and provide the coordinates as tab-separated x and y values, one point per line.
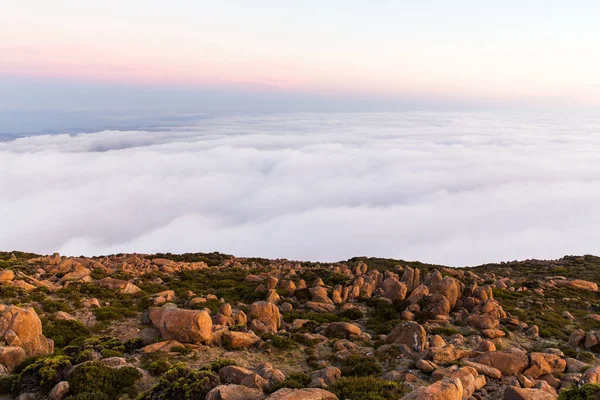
366	388
95	377
352	313
182	350
52	306
216	365
89	396
360	365
107	346
159	367
133	344
282	343
7	382
110	313
586	356
296	380
63	332
182	383
443	331
591	391
320	318
42	375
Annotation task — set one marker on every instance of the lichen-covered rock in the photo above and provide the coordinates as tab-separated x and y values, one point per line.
409	333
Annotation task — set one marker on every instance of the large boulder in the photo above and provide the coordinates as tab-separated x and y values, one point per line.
449	287
266	314
393	289
302	394
409	333
319	295
325	377
543	364
22	327
510	363
186	326
446	389
579	284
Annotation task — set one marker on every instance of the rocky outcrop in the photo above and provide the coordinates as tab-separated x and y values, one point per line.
22	327
446	389
302	394
409	333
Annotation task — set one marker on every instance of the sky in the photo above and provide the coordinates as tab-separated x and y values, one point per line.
454	132
147	56
448	188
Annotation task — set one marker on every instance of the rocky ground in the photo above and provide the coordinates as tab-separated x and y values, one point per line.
213	326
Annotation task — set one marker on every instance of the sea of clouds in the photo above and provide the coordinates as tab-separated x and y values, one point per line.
455	189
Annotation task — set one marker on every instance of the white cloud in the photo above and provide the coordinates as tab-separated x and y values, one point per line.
447	188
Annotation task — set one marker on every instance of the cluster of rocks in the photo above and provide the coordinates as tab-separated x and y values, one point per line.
452	340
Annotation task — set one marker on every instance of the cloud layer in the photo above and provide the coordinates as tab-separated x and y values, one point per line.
455	189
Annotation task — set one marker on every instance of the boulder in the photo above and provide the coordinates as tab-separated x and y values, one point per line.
302	394
446	389
592	375
238	340
59	391
394	289
325	377
449	287
186	326
409	333
234	392
510	363
6	275
11	357
263	310
27	327
342	329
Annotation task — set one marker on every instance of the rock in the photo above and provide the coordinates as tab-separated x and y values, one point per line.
26	325
574	366
59	391
325	377
234	392
64	316
510	363
446	389
11	357
242	376
411	278
319	295
592	375
342	329
165	346
576	337
394	289
271	374
515	393
302	394
186	326
91	303
6	275
410	333
418	294
484	369
579	284
542	364
238	340
263	311
320	307
449	287
426	366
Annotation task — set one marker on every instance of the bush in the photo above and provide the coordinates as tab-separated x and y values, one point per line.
360	365
106	346
159	367
366	388
182	350
95	377
586	357
282	343
7	382
42	374
352	313
110	313
64	332
591	391
133	344
182	383
297	380
216	365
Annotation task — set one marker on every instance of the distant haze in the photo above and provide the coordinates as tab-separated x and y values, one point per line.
449	188
272	56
